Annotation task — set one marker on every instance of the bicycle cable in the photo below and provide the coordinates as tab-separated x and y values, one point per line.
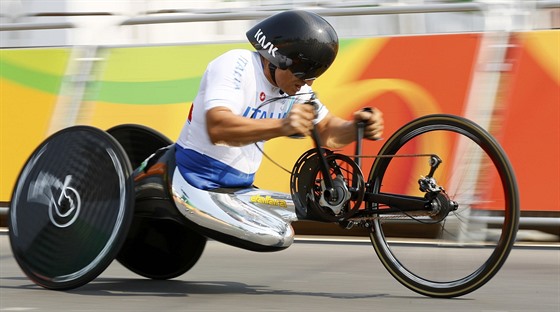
271	100
274	99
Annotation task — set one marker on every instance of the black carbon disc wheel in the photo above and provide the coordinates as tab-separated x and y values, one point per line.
71	208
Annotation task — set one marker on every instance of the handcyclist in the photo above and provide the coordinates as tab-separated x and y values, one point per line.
248	97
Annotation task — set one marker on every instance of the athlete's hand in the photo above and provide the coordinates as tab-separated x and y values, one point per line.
299	120
374	123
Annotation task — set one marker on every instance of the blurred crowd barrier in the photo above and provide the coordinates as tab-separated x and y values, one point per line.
35	23
506	80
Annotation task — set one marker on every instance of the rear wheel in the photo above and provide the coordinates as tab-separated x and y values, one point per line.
160	248
71	208
159	244
459	254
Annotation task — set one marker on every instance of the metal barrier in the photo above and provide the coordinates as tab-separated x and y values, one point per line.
549	4
206	16
46	25
36	26
327	8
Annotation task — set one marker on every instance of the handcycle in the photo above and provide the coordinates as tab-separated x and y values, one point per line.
441	220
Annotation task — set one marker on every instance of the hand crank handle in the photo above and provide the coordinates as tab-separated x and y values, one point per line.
324	166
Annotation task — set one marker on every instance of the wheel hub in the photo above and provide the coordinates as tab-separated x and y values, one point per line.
336	201
442	205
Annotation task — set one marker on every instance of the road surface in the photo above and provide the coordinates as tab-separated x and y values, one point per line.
308	276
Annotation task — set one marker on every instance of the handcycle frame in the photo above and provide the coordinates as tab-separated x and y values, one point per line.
157	201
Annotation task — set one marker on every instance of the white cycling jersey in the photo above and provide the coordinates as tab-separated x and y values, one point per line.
234	80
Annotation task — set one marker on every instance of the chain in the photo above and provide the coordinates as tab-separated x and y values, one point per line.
392	156
386	217
353	156
367	221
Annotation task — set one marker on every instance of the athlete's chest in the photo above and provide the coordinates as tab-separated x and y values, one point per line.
271	104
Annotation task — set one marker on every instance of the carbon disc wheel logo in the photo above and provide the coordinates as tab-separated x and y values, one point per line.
62	199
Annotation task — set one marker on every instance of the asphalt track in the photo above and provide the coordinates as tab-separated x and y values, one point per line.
308	276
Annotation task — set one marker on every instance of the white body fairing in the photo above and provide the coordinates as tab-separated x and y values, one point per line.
256	216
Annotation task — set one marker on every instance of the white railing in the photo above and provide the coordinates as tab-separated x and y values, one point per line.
352	19
195	24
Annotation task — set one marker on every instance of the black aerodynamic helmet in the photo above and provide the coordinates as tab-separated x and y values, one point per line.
301	41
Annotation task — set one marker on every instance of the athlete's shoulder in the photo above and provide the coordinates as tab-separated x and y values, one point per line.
235	56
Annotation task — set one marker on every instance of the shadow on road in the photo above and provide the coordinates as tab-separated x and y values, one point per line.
176	288
143	287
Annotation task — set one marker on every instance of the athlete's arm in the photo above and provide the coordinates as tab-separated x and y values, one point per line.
336	132
225	127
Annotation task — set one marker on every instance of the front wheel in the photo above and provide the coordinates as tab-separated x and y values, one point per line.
457	254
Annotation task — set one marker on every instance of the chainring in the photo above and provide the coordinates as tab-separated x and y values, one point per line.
308	188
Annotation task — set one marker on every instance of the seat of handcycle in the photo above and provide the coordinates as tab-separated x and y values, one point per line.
249	218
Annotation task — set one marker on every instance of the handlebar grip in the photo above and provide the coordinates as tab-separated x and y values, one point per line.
309	102
360	125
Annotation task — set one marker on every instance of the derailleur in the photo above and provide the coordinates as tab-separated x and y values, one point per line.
440	203
428	183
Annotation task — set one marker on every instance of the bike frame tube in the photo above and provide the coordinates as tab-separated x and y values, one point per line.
397	203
